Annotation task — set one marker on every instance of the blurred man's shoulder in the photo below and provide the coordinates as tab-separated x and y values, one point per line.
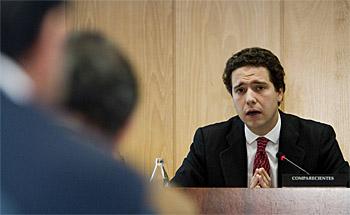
41	157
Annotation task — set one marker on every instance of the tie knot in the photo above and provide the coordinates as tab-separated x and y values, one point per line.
262	142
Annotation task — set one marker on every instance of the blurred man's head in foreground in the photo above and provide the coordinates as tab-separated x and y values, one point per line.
102	89
33	35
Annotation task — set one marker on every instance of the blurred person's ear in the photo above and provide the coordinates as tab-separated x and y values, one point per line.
43	60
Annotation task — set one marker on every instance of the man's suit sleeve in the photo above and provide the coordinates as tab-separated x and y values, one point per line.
192	172
330	154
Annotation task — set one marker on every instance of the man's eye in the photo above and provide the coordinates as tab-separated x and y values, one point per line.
259	88
239	90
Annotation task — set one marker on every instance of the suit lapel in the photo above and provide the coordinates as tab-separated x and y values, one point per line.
234	157
290	145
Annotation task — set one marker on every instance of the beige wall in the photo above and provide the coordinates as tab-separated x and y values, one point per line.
179	49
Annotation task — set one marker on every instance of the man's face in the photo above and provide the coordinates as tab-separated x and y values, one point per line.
47	55
255	98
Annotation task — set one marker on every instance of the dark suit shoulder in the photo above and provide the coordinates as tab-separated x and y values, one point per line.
303	123
216	137
223	127
316	146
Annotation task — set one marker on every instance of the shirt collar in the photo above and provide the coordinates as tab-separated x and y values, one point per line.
15	83
273	135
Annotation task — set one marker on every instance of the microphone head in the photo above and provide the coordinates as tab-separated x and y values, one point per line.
280	156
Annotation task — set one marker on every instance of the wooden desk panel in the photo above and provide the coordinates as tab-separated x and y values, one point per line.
271	201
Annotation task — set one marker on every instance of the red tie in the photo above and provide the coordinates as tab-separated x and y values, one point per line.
261	159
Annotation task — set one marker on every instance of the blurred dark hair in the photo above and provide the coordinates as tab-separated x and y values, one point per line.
101	83
20	24
255	57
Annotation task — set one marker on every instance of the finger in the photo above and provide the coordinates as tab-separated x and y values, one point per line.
262	182
254	181
256	172
264	173
265	178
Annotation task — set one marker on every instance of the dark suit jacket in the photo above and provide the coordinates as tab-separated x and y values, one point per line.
218	154
45	170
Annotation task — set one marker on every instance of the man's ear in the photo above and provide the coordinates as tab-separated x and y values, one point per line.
280	95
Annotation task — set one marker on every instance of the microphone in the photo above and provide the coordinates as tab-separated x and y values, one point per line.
283	157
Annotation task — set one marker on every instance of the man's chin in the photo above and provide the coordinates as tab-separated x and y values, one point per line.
252	121
253	125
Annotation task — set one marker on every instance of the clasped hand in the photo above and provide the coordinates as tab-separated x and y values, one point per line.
260	179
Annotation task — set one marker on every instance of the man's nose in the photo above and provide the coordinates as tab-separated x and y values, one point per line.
250	97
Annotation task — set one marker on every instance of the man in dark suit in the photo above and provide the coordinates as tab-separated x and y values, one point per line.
44	167
241	152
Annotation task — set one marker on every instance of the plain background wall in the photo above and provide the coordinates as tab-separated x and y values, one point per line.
179	50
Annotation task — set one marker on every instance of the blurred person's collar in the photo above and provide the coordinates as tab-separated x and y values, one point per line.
14	82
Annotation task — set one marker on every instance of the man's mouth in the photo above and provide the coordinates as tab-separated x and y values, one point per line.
253	113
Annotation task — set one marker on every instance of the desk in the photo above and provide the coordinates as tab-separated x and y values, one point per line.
271	201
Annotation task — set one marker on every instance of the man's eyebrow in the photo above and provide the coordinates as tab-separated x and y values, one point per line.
239	84
259	82
254	82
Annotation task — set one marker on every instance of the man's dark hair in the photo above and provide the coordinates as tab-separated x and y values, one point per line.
102	86
255	57
21	23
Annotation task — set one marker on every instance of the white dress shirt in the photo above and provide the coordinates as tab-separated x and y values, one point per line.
271	150
14	82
